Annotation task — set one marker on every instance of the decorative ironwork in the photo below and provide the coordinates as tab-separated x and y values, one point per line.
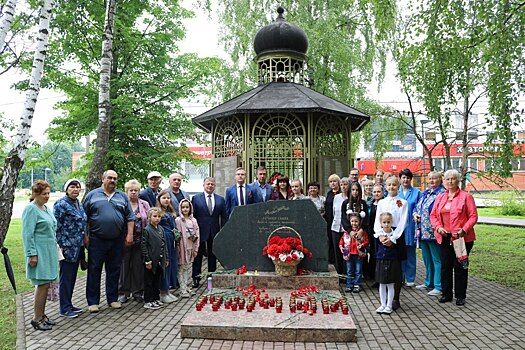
228	137
278	68
278	142
331	137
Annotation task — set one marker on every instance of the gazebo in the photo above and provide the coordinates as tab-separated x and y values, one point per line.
281	124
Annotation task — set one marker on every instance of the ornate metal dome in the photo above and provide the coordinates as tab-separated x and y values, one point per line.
280	36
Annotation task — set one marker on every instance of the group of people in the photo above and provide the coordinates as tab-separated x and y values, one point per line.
151	242
375	233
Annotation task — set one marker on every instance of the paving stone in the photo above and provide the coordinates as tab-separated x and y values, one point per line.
492	319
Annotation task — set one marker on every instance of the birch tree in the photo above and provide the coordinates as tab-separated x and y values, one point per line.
7	19
15	159
150	81
104	104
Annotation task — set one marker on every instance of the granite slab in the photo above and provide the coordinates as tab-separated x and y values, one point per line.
268	325
270	280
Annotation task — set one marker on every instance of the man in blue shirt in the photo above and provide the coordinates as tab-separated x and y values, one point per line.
110	219
265	189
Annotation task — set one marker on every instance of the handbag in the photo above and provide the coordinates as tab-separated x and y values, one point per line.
461	252
52	291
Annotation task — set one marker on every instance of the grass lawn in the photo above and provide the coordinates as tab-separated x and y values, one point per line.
498	256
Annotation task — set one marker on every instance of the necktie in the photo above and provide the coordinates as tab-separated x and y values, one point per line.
241	195
210	207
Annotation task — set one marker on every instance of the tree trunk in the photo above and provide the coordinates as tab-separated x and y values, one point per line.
104	104
464	157
15	159
7	19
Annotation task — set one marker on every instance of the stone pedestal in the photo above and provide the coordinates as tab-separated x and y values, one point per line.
266	324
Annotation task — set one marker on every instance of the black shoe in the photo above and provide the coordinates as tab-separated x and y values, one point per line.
138	299
40	325
47	321
395	305
195	284
460	301
445	299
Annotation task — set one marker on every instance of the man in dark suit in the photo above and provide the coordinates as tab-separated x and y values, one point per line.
209	209
265	189
149	194
240	193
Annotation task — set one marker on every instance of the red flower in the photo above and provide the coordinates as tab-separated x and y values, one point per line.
399	203
288	259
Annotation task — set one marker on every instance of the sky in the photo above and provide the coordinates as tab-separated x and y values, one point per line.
202	38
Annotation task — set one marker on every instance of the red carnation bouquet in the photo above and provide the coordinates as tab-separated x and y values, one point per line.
286	249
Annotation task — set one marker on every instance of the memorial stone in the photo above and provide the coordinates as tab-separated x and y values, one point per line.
242	239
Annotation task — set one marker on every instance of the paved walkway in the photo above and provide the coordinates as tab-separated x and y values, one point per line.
493	318
501	221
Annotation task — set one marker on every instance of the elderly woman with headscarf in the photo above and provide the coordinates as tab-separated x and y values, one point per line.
71	226
453	217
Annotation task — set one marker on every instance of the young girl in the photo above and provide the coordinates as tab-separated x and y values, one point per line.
398	208
155	256
188	247
169	278
353	246
354	204
388	271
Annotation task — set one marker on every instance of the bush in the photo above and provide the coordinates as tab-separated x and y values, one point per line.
512	204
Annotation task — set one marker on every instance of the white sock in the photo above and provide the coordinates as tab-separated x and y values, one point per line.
382	294
391	291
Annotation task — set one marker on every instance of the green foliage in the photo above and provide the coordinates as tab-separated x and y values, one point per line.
149	79
53	156
459	50
348	43
512	203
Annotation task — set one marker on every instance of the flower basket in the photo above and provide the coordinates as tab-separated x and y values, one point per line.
286	268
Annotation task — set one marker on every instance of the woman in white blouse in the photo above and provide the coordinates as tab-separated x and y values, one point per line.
398	207
337	228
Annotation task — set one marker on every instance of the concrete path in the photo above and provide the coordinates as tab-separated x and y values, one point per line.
501	221
493	318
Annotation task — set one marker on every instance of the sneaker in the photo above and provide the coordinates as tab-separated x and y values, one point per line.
421	287
77	310
158	303
191	292
387	310
435	293
151	306
123	299
173	297
138	299
167	298
184	294
380	309
115	305
69	314
93	308
410	284
357	289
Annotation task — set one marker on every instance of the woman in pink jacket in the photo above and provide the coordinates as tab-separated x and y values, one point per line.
453	216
